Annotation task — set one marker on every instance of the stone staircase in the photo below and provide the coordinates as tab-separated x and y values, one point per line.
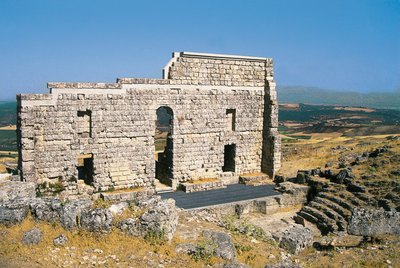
330	209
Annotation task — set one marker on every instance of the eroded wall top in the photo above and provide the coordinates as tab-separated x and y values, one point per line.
189	68
218	70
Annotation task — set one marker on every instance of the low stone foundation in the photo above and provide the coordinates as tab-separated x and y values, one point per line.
144	213
293	195
188	187
126	195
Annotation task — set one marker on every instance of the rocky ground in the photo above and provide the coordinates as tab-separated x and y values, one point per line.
351	179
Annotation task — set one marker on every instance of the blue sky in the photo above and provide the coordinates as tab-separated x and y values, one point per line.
337	44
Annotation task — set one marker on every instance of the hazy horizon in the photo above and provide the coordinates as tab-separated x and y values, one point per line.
323	96
337	45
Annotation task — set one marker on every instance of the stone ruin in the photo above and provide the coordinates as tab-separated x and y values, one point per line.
221	114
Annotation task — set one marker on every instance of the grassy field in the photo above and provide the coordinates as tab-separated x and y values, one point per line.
8	140
337	115
8	113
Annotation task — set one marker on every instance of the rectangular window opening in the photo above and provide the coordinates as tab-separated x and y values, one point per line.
231	119
85	168
229	158
85	124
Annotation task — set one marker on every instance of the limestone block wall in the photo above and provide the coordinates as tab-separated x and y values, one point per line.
200	126
115	124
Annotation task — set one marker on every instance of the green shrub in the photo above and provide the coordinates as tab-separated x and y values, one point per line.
244	227
56	187
155	237
204	250
101	203
242	248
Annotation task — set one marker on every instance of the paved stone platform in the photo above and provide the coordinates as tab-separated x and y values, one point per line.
232	193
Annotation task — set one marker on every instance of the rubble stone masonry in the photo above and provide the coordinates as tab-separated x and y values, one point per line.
114	125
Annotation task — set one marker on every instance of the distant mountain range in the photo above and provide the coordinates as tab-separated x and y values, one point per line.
313	95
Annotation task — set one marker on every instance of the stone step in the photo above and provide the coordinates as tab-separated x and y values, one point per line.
330	213
335	188
255	179
325	224
352	199
327	210
307	216
366	198
199	185
340	201
322	226
345	213
164	190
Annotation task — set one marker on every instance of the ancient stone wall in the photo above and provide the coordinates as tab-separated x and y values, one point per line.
114	125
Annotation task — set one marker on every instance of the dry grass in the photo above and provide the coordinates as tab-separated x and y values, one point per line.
368	255
117	249
316	152
250	251
128	250
7	157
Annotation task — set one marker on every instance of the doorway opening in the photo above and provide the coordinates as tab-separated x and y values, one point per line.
164	145
85	168
229	158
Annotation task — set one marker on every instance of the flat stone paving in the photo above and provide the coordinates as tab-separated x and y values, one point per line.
233	193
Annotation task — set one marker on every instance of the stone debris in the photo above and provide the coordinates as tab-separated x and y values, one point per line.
296	238
185	248
284	264
32	237
342	240
46	209
161	218
71	212
118	209
12	215
374	222
99	220
60	240
224	247
15	198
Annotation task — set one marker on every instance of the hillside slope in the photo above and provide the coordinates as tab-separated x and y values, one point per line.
299	94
